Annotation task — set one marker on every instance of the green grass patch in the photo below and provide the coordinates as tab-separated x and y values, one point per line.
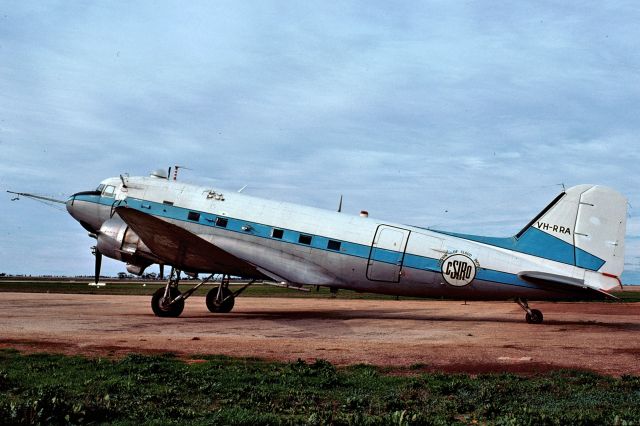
628	296
55	389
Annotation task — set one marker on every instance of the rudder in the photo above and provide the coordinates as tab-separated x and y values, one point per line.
592	219
600	228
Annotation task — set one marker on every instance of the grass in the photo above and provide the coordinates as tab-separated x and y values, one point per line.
147	288
55	389
628	296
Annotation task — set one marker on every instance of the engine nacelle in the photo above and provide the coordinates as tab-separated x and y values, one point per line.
135	269
117	241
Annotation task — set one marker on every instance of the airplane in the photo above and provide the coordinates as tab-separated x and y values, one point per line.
573	249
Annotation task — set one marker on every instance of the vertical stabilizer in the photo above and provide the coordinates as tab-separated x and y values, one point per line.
585	226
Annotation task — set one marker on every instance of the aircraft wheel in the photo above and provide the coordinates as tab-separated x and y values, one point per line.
535	317
173	310
220	308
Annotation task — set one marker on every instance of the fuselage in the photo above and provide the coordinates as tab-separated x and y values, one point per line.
309	246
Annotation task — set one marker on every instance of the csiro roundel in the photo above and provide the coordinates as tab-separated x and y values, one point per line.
458	270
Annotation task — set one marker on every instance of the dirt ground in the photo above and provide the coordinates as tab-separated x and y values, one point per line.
424	335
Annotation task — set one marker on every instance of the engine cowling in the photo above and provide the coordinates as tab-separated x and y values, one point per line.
118	241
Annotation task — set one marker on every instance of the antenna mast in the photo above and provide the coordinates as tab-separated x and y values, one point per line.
175	171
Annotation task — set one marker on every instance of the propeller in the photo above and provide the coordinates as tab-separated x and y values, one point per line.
162	271
98	256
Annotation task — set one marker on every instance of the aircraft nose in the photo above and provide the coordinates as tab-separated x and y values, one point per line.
69	204
87	213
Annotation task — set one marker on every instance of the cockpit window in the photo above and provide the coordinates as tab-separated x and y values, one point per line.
100	187
108	191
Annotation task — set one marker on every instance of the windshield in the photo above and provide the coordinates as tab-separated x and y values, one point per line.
108	191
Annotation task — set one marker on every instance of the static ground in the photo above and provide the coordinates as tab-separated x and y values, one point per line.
429	335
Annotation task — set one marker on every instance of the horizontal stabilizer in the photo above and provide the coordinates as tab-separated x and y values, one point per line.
556	282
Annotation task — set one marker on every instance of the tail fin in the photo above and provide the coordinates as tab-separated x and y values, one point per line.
587	225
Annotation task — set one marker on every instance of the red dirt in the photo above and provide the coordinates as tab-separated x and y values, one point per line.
438	335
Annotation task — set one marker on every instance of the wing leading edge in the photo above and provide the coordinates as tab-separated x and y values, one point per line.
180	248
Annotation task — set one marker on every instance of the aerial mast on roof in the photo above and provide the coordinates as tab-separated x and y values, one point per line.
175	171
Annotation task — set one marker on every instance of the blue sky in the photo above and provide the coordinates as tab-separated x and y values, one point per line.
460	115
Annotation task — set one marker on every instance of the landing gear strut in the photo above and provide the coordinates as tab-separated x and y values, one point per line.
533	316
165	302
168	301
220	300
167	306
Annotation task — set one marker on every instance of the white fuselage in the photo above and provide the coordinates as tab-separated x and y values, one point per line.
308	246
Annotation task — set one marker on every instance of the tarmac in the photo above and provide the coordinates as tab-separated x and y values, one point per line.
407	336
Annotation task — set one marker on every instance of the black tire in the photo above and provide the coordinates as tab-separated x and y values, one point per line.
171	311
535	317
225	306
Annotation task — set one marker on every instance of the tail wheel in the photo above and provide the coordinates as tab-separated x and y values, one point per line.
162	308
535	317
215	306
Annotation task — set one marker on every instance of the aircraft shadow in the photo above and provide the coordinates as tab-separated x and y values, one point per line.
340	315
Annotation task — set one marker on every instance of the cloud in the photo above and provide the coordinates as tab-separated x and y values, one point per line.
409	111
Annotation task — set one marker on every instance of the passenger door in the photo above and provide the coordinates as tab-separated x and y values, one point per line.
387	254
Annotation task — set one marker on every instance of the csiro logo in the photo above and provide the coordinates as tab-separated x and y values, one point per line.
458	270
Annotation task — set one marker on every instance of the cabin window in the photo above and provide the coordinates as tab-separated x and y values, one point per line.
304	239
277	233
167	203
222	222
334	245
108	191
193	216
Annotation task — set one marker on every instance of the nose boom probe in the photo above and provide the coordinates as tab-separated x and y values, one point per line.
36	197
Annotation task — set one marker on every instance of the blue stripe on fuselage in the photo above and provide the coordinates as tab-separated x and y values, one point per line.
291	237
97	199
540	244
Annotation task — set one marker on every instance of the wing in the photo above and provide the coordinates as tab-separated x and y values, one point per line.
180	248
563	283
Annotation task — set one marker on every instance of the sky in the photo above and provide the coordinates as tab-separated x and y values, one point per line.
467	116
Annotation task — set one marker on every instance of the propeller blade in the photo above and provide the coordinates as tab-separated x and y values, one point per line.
162	271
98	265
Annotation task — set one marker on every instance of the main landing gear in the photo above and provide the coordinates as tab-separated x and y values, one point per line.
220	300
533	316
169	301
